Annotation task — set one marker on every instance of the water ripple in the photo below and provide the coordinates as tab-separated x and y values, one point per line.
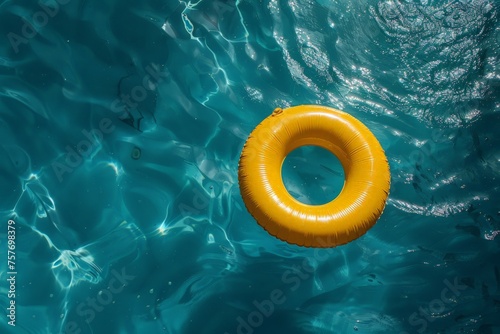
122	125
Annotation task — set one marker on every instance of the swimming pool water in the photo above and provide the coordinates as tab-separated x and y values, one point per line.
121	125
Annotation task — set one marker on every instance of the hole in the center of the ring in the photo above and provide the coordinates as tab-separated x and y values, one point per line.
313	175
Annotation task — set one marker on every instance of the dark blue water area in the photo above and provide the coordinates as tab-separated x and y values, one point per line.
121	126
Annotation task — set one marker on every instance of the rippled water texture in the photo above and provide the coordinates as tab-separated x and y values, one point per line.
121	125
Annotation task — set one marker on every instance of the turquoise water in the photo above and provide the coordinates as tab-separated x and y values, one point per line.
121	125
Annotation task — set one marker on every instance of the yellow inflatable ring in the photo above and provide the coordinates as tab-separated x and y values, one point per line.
345	218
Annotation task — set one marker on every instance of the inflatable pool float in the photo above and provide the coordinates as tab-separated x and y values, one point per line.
348	216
